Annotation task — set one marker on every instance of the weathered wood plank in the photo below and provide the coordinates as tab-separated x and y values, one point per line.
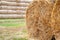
11	12
22	1
13	8
13	3
11	16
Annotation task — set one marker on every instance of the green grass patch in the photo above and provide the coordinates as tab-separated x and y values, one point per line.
12	22
19	39
24	31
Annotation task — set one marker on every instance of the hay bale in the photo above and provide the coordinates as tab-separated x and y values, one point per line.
56	18
38	19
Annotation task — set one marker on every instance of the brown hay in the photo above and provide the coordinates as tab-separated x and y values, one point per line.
42	19
56	18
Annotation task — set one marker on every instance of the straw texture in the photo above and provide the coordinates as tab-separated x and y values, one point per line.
43	19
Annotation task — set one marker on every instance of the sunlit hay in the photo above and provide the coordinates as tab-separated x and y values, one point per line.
38	18
56	18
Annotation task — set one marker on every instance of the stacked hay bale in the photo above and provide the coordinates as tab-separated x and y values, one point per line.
43	20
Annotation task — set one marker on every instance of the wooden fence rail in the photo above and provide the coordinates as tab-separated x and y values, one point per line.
13	3
13	8
12	16
21	1
11	12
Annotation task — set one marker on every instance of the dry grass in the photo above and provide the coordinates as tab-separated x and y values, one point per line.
13	33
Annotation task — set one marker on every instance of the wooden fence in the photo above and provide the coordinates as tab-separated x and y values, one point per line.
13	8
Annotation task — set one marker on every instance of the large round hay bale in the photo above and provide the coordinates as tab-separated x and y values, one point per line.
38	19
43	20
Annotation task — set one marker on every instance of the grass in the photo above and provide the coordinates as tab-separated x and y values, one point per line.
6	34
12	22
19	39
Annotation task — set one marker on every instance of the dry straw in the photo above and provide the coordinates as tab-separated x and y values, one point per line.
43	20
